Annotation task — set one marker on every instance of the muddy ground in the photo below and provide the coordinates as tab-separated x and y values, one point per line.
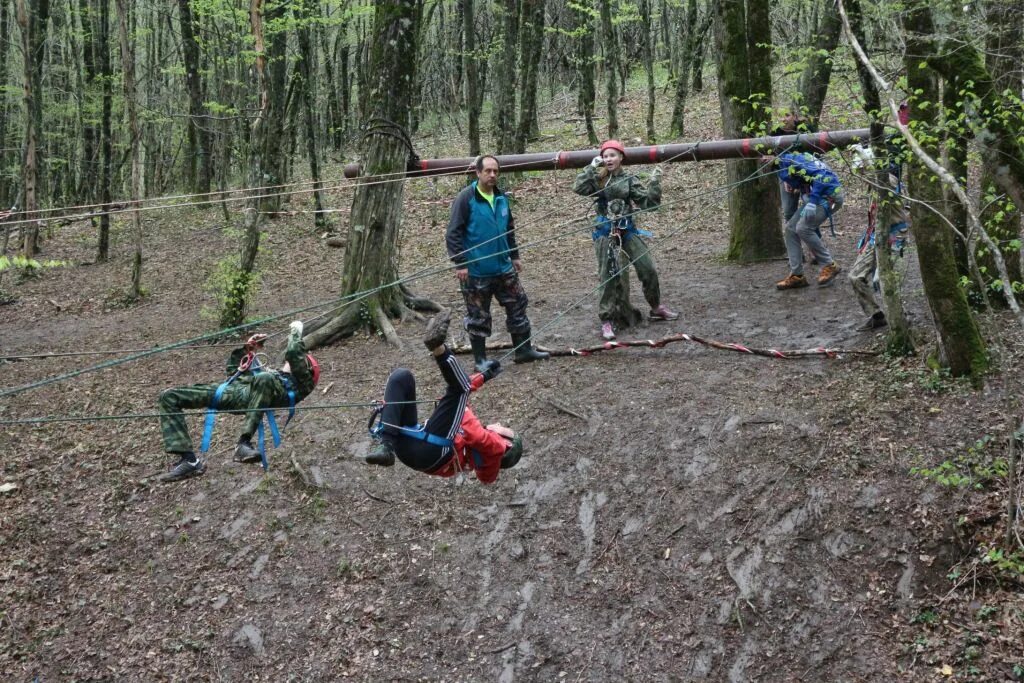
706	516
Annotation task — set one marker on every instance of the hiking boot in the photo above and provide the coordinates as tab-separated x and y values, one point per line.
828	274
525	353
244	452
607	332
383	454
792	282
186	468
437	330
663	312
873	323
479	345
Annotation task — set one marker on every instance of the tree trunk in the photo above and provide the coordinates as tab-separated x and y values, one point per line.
371	258
135	138
6	189
198	170
648	59
611	66
32	16
336	125
818	72
507	14
85	188
303	15
743	68
106	132
532	42
899	341
584	26
469	58
960	342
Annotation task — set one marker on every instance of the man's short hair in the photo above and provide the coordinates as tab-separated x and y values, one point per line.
480	161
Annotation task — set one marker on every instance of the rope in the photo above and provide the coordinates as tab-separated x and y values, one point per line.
758	173
347	300
47	419
682	336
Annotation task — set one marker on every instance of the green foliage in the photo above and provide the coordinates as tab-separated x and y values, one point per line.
233	290
1012	563
978	468
26	268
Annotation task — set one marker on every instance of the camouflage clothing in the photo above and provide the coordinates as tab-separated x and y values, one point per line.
250	391
477	291
615	196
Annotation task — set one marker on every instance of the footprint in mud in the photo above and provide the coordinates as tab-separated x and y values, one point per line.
523	650
487	551
588	525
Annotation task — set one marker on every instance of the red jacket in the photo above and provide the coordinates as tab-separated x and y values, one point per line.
477	449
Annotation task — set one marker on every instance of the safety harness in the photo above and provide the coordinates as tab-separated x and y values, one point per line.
376	428
251	362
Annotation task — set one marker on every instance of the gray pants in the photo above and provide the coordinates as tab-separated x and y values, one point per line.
803	227
862	277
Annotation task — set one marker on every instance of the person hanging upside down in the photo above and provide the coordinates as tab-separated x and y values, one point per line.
453	440
250	387
617	241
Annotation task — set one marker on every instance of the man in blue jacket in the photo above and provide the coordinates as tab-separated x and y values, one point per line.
481	242
821	195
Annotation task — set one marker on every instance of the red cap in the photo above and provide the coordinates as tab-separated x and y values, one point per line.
315	367
613	144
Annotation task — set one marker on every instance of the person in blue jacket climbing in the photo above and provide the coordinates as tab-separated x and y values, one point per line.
481	241
821	195
250	387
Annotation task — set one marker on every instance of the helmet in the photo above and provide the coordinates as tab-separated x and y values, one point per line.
613	144
513	454
314	367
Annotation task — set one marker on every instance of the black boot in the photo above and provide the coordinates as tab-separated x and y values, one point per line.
525	353
479	345
382	454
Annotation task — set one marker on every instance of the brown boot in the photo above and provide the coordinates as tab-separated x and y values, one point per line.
792	282
828	274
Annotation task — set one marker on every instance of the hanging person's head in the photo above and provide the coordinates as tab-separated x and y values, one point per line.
513	445
613	153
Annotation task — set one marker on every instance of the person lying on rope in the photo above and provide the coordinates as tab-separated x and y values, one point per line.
453	440
251	387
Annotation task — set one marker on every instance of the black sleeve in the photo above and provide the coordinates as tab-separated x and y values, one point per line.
513	246
456	233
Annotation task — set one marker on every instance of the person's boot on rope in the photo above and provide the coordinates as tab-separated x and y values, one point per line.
251	388
525	353
453	440
618	196
481	242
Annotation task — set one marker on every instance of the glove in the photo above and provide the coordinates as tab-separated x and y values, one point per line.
597	161
491	370
255	341
656	173
296	330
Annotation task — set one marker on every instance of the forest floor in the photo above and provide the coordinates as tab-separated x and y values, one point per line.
704	515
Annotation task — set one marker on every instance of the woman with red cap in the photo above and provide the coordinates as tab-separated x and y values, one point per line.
618	197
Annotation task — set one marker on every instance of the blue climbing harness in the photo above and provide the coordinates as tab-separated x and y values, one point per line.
376	428
275	434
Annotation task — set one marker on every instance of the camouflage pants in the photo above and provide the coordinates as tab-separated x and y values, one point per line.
478	291
262	390
614	305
